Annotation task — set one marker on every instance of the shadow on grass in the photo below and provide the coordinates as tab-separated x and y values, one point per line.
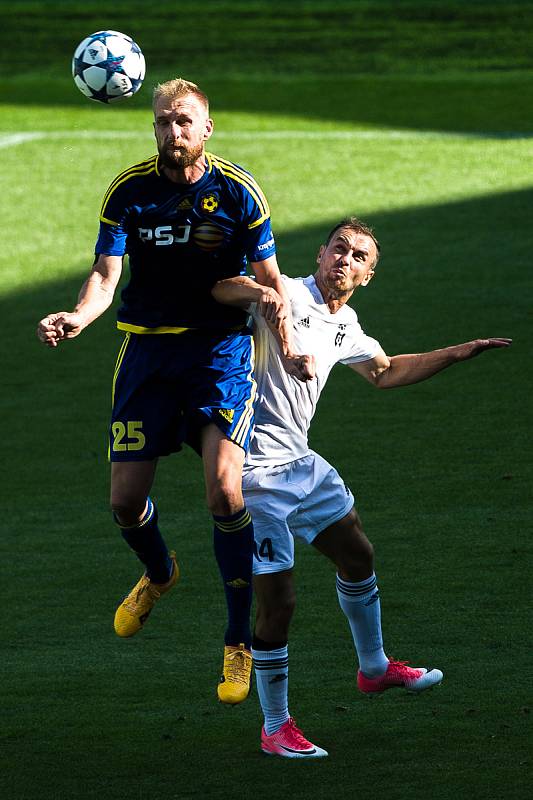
412	64
448	273
459	104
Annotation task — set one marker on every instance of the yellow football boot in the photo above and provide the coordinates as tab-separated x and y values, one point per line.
134	610
234	685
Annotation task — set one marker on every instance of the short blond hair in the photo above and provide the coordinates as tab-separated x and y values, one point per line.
178	87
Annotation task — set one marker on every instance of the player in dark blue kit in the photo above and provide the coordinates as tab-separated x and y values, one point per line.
184	373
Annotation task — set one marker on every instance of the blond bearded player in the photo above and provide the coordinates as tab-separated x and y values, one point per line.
185	218
293	492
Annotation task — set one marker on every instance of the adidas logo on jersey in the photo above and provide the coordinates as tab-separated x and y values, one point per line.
227	413
185	204
305	322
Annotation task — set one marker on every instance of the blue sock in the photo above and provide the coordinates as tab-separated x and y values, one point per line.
233	541
146	541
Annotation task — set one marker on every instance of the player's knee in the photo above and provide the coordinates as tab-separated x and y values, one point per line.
224	498
357	558
127	510
366	552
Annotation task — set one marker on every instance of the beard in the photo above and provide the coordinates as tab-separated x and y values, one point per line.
179	157
338	287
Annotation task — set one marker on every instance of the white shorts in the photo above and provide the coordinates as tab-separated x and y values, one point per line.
298	499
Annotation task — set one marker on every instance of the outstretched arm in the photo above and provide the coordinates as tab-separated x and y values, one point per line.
388	372
241	291
96	295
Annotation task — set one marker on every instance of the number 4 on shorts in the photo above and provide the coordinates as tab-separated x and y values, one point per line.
265	550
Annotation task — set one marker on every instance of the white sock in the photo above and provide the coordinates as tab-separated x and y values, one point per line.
360	603
272	680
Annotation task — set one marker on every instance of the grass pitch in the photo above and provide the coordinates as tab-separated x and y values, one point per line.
417	117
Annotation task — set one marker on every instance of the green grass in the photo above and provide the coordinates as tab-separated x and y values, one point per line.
273	37
417	117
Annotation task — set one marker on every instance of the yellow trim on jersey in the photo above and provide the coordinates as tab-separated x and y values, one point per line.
231	170
142	168
109	221
258	221
243	426
218	160
141	165
125	326
118	364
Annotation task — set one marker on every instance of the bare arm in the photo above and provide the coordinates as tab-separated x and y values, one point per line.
241	291
95	297
268	275
389	372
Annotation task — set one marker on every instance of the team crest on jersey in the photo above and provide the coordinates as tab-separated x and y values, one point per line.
340	335
208	236
185	204
209	202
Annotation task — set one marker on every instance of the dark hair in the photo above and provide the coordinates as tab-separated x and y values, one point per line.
357	226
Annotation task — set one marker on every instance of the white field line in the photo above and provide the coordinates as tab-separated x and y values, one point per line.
10	139
13	139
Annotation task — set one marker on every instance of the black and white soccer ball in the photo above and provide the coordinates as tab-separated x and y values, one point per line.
108	66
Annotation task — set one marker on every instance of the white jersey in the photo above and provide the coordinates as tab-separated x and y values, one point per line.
286	405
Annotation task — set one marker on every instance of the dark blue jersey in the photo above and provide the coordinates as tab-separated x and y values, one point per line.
181	239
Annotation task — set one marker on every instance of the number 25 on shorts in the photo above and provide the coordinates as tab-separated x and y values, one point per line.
128	436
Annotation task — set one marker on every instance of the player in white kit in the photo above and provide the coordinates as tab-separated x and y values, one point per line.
292	491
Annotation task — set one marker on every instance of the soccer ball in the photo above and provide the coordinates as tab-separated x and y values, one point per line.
108	66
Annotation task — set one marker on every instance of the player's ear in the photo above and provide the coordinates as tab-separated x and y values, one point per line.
368	277
209	125
320	253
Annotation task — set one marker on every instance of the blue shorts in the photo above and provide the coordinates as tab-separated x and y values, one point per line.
166	387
